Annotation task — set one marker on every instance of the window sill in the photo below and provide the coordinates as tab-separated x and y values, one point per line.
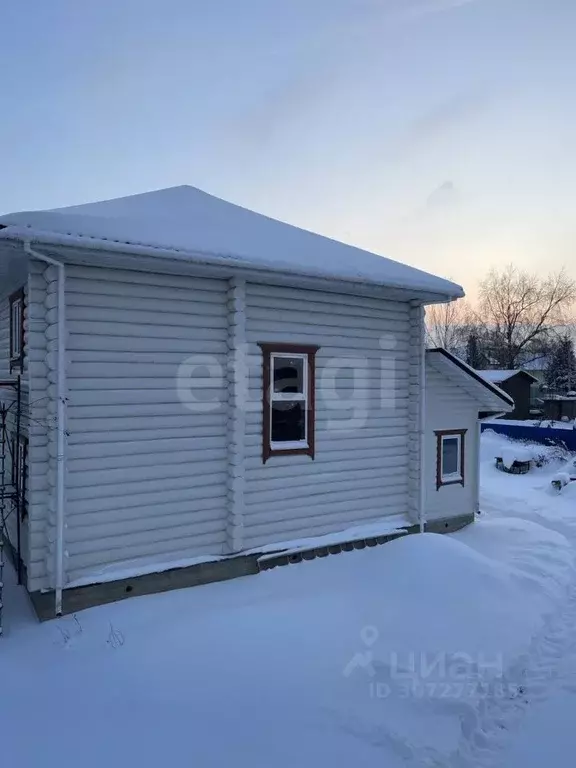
300	450
451	481
296	445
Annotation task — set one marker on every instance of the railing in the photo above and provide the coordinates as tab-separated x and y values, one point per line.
11	496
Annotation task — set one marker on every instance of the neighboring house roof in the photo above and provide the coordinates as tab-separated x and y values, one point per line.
497	377
188	224
488	394
538	365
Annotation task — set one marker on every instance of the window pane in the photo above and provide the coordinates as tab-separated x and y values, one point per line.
450	456
288	421
288	374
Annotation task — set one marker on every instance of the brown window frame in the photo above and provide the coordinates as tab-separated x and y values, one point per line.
19	456
17	360
440	435
268	350
19	473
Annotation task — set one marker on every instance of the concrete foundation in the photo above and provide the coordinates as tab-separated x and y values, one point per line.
78	598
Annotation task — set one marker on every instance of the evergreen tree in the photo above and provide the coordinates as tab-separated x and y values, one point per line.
561	371
475	357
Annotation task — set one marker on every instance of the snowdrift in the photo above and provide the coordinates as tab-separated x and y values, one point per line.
365	658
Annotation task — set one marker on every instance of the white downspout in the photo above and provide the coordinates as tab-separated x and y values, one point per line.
422	426
61	422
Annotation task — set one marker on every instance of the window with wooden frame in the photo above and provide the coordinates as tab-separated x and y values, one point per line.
19	451
17	329
288	399
19	474
450	454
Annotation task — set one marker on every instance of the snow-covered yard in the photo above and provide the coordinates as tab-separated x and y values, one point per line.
430	650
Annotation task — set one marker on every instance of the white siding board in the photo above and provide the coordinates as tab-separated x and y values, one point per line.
96	317
284	468
211	343
327	521
94	430
134	504
142	356
111	533
144	441
449	406
260	296
190	304
166	395
359	473
153	550
148	479
153	470
136	411
265	488
128	489
146	475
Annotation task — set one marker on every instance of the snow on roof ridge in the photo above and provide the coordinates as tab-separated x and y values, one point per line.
188	221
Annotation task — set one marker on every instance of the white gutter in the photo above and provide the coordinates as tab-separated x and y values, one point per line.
422	426
61	422
439	294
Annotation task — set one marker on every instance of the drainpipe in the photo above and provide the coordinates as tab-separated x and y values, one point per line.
61	422
422	426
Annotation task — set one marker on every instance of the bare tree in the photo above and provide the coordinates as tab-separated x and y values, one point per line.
447	325
519	312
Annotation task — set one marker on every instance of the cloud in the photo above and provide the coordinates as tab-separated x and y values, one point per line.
282	104
339	46
435	7
443	196
434	123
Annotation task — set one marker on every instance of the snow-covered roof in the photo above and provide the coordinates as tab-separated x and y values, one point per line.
497	377
488	394
184	222
540	364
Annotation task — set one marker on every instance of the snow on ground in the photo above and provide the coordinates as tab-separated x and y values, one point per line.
429	650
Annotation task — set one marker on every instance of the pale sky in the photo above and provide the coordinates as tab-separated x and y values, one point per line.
441	133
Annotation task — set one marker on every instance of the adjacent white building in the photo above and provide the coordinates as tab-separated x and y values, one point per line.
200	384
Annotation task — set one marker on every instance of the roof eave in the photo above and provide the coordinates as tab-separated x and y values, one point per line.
414	292
465	368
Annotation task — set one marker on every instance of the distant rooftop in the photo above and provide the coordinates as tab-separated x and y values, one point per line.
184	222
497	377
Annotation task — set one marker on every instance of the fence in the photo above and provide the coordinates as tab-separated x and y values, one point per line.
542	435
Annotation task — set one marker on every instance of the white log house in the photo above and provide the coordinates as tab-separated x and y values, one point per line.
202	386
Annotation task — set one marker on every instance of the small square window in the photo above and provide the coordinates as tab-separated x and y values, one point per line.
288	400
450	457
17	329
